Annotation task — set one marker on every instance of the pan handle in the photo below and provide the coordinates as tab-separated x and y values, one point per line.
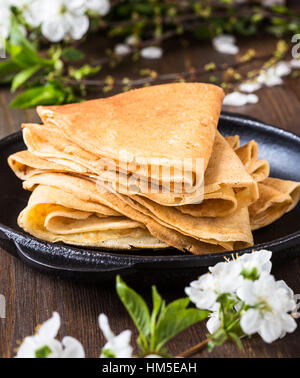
62	268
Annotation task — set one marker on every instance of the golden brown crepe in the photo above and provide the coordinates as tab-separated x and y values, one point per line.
228	232
259	169
224	233
292	188
25	165
270	206
227	184
74	185
48	143
276	197
171	123
55	215
234	141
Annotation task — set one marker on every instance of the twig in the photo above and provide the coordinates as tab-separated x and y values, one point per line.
166	77
167	35
194	349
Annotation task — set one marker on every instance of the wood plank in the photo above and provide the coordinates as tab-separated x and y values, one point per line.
278	106
20	116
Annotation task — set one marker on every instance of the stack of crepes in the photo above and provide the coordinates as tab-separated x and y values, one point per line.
78	163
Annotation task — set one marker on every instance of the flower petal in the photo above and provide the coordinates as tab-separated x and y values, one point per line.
49	329
72	348
78	26
250	321
152	52
105	328
54	30
239	99
270	329
289	324
122	49
100	6
214	322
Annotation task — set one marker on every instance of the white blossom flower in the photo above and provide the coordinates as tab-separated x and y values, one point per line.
250	86
32	10
101	7
242	267
64	18
45	344
281	69
271	303
122	50
270	77
203	296
227	277
132	40
269	80
273	75
152	52
239	99
225	44
260	261
204	292
117	345
214	322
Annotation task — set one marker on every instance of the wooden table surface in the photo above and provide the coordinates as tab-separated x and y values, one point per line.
31	297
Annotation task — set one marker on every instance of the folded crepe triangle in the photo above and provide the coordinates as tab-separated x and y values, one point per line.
55	215
178	121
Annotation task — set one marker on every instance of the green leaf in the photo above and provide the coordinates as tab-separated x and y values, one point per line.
245	28
7	79
17	37
23	76
157	303
228	314
135	305
7	67
107	353
22	52
142	343
173	322
48	94
236	339
71	54
218	338
179	304
43	352
84	71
